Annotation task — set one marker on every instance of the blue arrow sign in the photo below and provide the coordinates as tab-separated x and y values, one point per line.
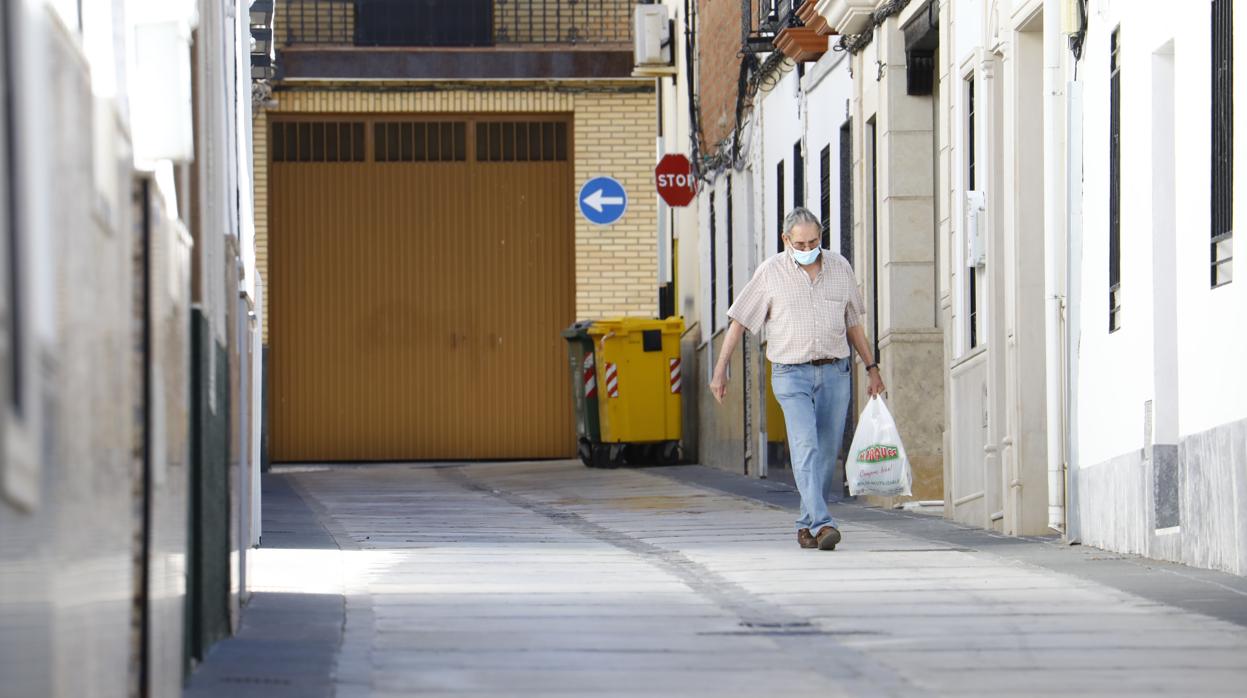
603	200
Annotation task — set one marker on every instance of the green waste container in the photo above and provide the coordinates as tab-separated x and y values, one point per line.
580	361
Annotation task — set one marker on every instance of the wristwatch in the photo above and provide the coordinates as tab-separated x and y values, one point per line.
874	365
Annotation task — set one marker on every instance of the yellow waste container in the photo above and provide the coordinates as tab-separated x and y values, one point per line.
640	382
776	429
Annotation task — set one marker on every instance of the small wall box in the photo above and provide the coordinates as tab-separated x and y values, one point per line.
652	44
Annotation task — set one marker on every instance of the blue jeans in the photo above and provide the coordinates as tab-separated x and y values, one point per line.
815	400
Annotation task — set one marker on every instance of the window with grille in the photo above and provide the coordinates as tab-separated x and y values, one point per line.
521	141
779	205
1222	141
846	191
972	290
1114	183
420	141
424	23
824	193
714	270
11	304
319	141
872	130
798	175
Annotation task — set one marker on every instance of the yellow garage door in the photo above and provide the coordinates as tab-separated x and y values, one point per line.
421	270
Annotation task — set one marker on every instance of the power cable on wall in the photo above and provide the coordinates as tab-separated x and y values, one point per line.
756	75
854	43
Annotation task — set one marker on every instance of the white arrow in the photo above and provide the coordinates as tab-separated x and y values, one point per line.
596	200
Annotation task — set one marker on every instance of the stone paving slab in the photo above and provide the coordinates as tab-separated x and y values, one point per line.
289	639
550	579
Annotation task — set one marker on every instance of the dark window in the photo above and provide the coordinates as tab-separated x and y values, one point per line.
846	191
798	176
1222	141
779	205
323	141
731	288
874	232
424	23
824	193
433	141
970	145
972	295
1114	183
771	10
974	307
518	141
714	271
9	201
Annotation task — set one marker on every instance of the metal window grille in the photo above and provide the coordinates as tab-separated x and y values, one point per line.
970	136
306	141
731	286
798	175
455	23
1114	183
824	191
972	295
779	204
520	141
714	271
873	128
846	191
10	200
1222	142
432	141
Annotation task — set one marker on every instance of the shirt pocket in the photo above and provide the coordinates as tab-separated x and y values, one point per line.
834	303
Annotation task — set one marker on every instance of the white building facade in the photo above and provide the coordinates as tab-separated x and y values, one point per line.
1159	444
1083	164
124	213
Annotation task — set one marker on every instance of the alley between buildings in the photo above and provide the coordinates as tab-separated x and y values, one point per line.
553	579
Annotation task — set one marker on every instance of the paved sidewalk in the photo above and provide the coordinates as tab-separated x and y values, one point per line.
553	579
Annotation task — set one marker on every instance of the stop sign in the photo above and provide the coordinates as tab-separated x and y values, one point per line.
674	177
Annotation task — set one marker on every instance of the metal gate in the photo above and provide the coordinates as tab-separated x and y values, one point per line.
421	270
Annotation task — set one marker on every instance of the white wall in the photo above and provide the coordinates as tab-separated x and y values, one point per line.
1116	369
828	88
782	126
1120	474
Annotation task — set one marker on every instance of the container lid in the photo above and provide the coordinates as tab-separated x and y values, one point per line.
578	329
627	325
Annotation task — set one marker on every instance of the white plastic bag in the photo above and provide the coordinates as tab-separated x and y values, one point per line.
877	463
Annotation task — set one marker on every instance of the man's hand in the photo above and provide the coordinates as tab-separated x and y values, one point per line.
718	384
876	386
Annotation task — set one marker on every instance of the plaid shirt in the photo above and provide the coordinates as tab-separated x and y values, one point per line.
805	320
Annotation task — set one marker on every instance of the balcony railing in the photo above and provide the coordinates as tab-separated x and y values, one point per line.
772	17
453	23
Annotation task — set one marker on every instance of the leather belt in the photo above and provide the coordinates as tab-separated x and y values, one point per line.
823	362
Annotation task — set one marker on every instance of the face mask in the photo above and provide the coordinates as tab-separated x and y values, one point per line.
805	258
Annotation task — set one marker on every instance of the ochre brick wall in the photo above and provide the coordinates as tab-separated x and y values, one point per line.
613	133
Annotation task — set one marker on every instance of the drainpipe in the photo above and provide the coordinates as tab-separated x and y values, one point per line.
1052	237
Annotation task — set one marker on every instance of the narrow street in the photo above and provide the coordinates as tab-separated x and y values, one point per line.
553	579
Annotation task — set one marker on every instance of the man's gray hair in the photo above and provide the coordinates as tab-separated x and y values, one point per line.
800	216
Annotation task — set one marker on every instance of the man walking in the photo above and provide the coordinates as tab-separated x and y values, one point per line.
808	300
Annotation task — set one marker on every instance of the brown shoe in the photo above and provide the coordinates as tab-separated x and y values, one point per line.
805	539
828	537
